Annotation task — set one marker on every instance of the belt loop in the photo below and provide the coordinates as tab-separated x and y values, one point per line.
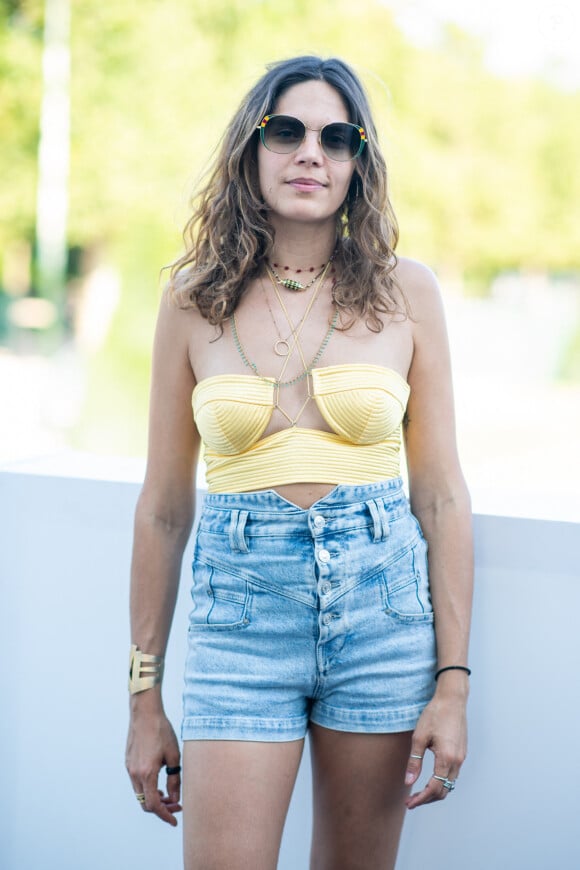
377	511
238	521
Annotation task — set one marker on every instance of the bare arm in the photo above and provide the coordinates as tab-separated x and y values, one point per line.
440	500
163	520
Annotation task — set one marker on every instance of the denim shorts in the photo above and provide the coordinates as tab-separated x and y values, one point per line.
320	615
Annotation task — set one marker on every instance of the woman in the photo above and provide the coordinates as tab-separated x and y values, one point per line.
309	349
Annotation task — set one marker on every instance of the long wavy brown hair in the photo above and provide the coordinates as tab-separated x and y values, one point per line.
228	237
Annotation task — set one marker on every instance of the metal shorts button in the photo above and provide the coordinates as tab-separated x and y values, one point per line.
324	555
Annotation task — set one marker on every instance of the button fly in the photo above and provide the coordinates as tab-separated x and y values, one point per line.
319	522
325	588
324	555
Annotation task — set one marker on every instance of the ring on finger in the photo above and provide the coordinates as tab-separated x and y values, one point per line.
449	784
420	757
140	798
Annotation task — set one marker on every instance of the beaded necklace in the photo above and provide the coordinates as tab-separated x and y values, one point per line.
294	283
252	365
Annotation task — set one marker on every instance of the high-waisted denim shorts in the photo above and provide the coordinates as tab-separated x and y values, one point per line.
319	615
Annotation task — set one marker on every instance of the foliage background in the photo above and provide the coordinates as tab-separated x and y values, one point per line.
483	169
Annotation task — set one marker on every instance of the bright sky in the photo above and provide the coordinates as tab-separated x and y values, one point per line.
520	36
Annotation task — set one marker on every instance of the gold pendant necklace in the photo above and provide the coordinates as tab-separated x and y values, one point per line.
296	330
281	347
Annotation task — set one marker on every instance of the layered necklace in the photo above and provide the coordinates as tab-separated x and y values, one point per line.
285	347
293	283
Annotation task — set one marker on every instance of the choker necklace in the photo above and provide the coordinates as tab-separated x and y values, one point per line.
292	283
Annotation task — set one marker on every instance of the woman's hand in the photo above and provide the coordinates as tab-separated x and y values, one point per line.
151	745
442	728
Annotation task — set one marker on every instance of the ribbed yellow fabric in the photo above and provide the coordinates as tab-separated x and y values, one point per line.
232	411
297	455
363	404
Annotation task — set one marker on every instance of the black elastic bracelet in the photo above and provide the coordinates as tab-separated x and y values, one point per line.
453	668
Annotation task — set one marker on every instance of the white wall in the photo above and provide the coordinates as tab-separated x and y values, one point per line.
65	800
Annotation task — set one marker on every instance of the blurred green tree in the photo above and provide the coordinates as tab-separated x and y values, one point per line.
483	169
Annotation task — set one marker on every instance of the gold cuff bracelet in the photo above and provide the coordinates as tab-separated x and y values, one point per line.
145	671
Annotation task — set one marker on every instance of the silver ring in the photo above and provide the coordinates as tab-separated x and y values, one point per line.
449	784
420	757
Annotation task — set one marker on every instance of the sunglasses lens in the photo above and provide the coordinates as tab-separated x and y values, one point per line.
341	141
283	134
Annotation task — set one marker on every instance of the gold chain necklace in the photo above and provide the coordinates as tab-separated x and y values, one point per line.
281	347
297	329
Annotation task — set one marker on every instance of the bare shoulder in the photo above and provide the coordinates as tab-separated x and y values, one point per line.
179	326
420	287
172	313
427	316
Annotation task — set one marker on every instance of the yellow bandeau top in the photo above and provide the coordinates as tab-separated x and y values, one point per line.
363	404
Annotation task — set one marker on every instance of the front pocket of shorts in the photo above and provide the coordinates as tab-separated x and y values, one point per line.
405	586
221	601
